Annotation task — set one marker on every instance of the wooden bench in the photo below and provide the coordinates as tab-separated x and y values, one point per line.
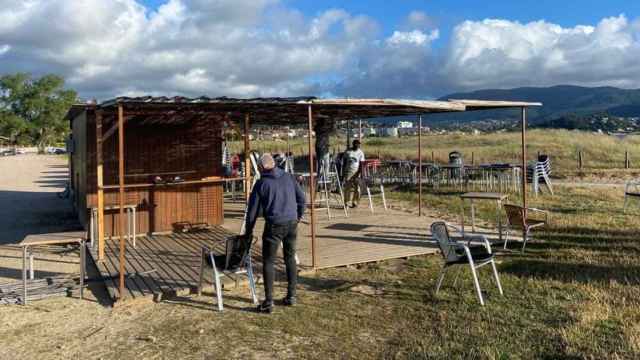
61	238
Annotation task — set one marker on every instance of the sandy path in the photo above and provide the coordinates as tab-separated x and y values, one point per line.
28	201
29	205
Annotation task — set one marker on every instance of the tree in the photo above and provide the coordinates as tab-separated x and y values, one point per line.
41	105
13	127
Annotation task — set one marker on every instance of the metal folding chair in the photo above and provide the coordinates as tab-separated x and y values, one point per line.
456	253
235	262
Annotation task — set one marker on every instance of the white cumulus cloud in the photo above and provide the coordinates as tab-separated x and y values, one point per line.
502	53
415	37
249	48
190	47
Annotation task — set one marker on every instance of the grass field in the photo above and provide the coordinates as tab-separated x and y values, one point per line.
601	153
574	294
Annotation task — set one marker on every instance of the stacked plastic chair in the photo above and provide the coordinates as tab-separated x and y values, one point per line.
540	172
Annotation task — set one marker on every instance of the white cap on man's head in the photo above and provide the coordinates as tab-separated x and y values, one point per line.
267	162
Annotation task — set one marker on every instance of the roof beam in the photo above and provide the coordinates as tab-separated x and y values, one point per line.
113	130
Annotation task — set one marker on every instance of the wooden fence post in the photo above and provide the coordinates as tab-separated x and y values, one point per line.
626	159
580	159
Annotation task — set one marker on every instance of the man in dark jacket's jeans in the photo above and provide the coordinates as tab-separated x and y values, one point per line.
281	201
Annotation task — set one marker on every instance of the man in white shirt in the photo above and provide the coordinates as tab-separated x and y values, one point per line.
351	169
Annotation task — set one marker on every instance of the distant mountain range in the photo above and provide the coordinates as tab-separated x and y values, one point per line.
557	101
564	106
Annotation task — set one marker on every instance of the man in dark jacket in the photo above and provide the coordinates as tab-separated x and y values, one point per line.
281	201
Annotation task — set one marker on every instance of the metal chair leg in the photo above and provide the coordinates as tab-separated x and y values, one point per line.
370	200
495	275
441	278
476	283
526	237
216	278
384	198
218	291
252	283
506	237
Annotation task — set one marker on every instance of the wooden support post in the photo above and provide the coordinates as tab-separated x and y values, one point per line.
100	184
360	129
524	164
473	159
247	160
419	165
121	200
433	157
312	193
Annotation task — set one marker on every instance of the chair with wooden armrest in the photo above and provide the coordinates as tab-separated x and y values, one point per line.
516	220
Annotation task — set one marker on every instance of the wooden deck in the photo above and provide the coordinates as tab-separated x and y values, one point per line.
159	266
167	265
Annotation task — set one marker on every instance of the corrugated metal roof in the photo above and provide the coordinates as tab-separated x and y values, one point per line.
492	104
202	100
283	110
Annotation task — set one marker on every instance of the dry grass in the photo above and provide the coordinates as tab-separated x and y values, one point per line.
601	153
584	269
574	294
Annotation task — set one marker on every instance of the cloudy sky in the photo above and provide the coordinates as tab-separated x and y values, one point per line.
364	48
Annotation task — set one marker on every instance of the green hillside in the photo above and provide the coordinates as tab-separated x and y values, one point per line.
558	101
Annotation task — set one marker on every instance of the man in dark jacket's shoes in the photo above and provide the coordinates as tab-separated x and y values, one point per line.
281	201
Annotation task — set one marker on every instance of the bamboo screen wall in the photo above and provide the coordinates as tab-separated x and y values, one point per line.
190	150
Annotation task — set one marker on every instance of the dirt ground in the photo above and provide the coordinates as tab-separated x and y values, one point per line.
29	205
28	187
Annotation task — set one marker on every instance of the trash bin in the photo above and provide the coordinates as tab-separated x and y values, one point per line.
455	158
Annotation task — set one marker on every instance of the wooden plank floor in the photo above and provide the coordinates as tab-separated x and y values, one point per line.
359	238
167	265
162	266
